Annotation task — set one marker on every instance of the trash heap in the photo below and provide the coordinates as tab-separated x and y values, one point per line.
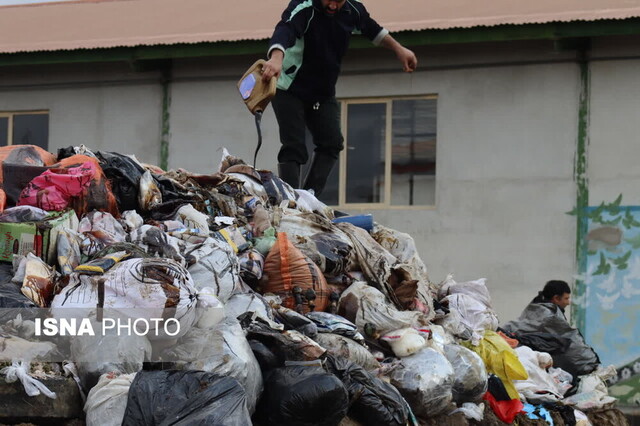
268	308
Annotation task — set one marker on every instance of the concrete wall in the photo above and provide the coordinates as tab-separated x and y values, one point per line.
507	129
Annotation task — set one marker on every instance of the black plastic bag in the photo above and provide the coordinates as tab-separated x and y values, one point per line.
124	174
185	398
373	401
267	359
295	321
304	396
12	301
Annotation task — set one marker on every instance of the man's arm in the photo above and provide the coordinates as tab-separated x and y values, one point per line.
406	57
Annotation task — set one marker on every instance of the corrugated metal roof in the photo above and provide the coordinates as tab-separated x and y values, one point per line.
89	24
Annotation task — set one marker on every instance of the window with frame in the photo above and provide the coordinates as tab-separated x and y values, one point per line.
25	128
389	158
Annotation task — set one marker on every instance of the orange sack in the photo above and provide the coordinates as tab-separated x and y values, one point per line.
286	268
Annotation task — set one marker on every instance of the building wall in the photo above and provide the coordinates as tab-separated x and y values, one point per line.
507	130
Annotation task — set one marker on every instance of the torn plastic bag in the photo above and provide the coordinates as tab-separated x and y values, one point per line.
222	350
107	401
304	395
149	194
453	324
348	349
329	252
157	243
539	387
68	249
295	278
470	381
39	281
295	321
474	314
330	323
100	229
135	288
216	266
373	401
276	189
579	358
369	310
124	175
108	352
404	342
183	398
592	392
20	214
289	345
240	303
477	289
20	371
425	379
307	202
251	266
500	359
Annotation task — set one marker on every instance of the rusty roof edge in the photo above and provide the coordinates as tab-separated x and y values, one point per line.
508	32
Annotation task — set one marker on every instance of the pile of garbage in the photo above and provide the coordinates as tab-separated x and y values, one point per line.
245	301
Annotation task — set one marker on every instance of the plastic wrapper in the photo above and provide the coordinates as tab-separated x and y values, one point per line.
185	398
425	379
251	266
363	304
23	214
373	402
470	381
579	358
107	400
69	252
348	349
39	281
223	350
216	266
330	323
136	288
404	342
304	395
295	321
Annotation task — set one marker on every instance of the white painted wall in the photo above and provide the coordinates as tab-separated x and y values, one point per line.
506	143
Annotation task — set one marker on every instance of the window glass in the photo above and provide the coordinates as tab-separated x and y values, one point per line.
31	129
4	130
365	152
413	152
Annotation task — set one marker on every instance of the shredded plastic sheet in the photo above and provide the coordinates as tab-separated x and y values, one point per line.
425	379
107	400
20	371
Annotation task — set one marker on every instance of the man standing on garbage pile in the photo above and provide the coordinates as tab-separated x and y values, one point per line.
305	54
544	318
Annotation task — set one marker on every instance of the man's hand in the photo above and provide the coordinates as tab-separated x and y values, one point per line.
273	66
407	58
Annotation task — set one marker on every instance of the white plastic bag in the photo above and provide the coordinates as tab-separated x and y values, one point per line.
20	371
404	342
471	411
539	387
107	401
210	309
475	314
